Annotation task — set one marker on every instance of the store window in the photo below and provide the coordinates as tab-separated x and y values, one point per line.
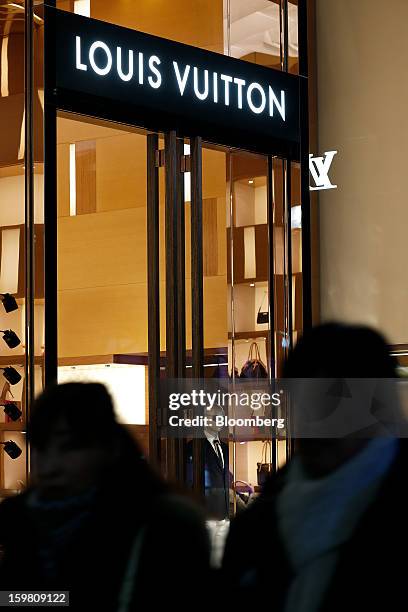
102	269
253	31
22	298
102	255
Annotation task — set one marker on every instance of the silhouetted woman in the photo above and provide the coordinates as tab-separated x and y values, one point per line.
329	531
96	520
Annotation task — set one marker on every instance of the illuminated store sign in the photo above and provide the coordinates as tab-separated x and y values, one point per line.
180	86
319	169
204	85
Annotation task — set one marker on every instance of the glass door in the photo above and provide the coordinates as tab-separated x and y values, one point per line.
175	259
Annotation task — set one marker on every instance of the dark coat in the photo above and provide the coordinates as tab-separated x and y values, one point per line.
94	561
217	479
371	573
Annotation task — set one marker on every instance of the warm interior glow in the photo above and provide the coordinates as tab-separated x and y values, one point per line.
21	148
249	248
21	8
72	180
126	384
4	60
82	7
187	178
255	28
296	217
10	256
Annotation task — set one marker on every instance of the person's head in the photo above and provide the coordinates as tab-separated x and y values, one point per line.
212	428
336	351
75	438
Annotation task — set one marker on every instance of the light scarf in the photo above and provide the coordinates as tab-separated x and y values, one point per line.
316	516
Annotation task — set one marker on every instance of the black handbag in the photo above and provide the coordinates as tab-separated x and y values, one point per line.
264	468
254	366
263	315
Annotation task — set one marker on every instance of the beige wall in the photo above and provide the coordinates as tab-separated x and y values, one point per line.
362	102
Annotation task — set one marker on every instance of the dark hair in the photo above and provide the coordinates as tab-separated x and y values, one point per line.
87	408
334	349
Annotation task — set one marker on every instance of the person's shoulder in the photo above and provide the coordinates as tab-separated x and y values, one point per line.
14	503
12	512
178	525
177	506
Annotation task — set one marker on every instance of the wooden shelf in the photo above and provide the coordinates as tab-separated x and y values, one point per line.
18	426
249	334
11	360
10	492
248	281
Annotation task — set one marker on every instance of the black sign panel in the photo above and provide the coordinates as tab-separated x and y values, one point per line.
166	84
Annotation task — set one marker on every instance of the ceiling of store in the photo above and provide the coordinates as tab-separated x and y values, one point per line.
255	27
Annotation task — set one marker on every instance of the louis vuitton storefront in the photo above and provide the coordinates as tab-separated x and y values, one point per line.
155	205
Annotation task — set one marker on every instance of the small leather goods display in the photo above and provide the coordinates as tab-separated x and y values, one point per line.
263	315
254	366
264	467
10	406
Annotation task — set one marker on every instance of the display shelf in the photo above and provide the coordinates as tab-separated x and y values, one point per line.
251	281
17	426
249	334
10	492
6	360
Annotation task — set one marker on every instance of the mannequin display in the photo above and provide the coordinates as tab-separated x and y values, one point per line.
217	477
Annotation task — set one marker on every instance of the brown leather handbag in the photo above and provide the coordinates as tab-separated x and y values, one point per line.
254	366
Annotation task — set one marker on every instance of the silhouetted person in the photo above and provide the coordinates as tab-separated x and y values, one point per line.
329	531
96	521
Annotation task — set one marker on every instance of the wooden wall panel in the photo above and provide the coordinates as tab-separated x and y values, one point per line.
261	250
113	319
85	169
102	249
121	171
210	237
102	272
63	179
200	23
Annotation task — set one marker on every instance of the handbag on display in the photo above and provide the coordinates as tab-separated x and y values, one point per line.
254	366
244	490
264	467
263	315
